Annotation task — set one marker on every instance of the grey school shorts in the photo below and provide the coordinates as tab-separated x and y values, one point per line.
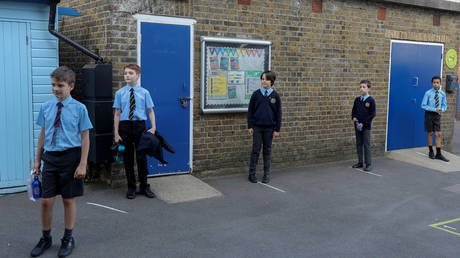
432	121
58	174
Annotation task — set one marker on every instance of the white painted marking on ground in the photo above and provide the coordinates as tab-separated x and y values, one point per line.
107	207
449	227
272	187
370	173
423	154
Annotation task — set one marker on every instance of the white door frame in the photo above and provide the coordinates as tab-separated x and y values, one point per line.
389	73
173	21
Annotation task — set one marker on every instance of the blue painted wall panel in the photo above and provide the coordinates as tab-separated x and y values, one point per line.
44	53
43	62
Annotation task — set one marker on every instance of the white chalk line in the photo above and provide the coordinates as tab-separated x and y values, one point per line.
272	187
423	154
449	227
370	173
107	207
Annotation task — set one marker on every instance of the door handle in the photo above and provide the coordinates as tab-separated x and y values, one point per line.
184	101
415	81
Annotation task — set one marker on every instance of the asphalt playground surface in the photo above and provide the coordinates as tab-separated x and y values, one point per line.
322	211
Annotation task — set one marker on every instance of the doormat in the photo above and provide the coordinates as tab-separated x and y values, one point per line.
181	188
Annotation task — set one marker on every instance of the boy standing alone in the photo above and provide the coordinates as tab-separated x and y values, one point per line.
362	114
434	103
130	104
63	145
264	123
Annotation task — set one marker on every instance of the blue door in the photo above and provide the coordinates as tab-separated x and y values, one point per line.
165	63
15	106
413	65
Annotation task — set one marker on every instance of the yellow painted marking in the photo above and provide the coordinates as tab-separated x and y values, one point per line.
436	225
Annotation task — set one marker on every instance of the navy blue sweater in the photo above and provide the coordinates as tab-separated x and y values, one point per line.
264	111
364	111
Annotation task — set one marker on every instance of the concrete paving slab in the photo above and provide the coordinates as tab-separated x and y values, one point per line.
419	157
181	188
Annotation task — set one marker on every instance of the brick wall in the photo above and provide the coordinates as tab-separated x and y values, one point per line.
319	57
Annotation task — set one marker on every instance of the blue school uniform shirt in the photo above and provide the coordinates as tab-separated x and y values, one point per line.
363	98
143	102
74	121
428	102
263	90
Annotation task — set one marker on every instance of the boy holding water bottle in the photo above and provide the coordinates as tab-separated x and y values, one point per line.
63	145
132	105
362	114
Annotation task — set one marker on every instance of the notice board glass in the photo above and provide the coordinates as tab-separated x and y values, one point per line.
230	72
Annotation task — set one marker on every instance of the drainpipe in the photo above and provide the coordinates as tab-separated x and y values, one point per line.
51	29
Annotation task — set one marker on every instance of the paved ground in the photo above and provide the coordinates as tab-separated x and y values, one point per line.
323	211
456	148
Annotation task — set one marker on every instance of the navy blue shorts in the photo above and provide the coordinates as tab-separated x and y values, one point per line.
58	174
432	121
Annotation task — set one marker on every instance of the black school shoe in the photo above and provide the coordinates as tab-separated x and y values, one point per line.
357	165
131	194
441	157
252	178
147	192
431	155
67	245
41	247
266	179
368	168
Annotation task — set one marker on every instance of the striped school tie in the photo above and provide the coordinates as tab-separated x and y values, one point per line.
57	121
436	99
266	93
132	104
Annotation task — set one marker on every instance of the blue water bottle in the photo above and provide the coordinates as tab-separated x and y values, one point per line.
359	129
36	188
121	148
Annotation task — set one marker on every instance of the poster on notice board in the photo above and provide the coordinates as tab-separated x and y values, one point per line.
230	72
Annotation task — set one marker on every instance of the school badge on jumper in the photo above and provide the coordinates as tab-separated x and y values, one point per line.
368	104
273	100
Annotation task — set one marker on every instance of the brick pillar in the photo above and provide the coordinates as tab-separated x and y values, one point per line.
245	2
436	19
381	13
317	6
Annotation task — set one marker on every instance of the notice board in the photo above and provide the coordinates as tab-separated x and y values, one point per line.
230	72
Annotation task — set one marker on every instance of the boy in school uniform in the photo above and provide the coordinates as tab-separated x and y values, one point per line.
434	103
130	104
63	145
362	114
264	123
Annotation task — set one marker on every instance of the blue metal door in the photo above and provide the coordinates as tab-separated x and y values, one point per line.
15	106
412	67
165	64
